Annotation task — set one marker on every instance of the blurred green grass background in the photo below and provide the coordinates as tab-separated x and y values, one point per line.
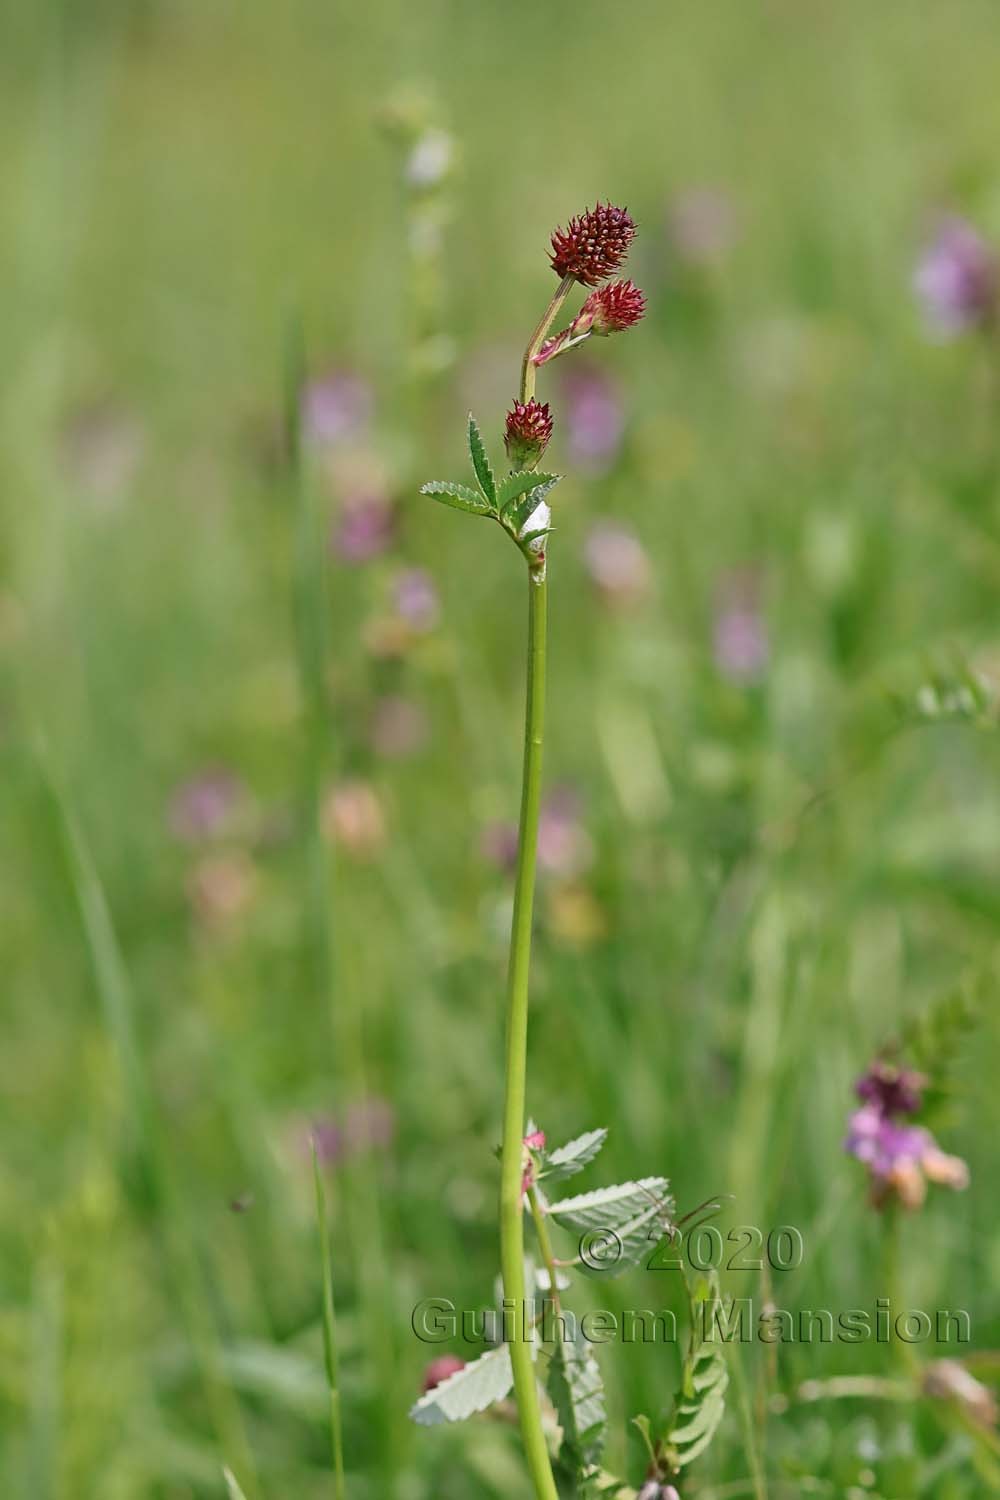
179	183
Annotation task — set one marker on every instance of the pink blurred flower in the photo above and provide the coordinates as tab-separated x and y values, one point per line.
740	634
595	419
564	845
369	1125
365	528
956	279
334	407
353	818
416	599
204	806
616	561
901	1159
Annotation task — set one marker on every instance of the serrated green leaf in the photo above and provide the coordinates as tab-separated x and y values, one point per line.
481	463
521	509
458	496
516	485
577	1392
470	1390
610	1207
700	1403
567	1160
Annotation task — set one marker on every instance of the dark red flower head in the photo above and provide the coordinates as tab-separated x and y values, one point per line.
610	309
593	246
529	427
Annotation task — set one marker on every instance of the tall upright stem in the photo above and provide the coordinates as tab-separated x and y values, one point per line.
516	1067
511	1205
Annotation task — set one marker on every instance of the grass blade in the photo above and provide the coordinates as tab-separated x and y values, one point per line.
329	1334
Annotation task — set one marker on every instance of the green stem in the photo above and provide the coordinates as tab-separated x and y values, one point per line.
511	1214
545	1246
330	1335
528	366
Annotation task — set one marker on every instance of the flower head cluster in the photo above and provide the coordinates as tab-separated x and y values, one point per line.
957	280
901	1157
610	309
527	433
593	244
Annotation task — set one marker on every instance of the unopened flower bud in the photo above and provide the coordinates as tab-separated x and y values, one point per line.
529	427
610	309
593	245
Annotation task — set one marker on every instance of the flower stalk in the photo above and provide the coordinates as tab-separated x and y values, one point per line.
589	250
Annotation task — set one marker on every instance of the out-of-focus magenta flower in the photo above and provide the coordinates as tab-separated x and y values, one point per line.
439	1370
498	845
740	634
334	407
616	561
205	805
702	224
329	1141
365	528
399	727
594	244
901	1159
416	599
956	280
595	418
527	432
369	1125
564	845
892	1090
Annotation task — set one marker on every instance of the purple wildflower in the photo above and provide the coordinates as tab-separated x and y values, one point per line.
365	529
740	634
329	1140
416	599
956	280
498	845
595	421
368	1125
203	806
892	1090
564	845
616	561
901	1158
334	407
